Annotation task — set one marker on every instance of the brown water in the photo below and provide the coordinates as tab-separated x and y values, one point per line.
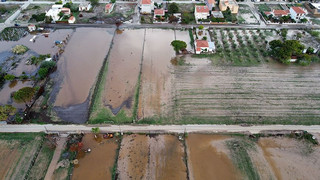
123	69
155	91
207	161
10	87
99	162
79	65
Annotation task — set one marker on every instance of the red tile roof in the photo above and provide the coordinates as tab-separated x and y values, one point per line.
281	12
159	12
108	6
146	2
211	1
202	44
267	12
71	18
298	10
202	9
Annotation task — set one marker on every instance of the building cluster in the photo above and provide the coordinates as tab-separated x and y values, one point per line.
59	13
296	13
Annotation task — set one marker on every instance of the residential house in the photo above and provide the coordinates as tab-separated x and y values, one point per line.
232	4
66	11
211	4
217	14
158	13
297	13
201	12
146	6
204	46
314	8
31	27
85	6
109	7
54	12
71	19
277	13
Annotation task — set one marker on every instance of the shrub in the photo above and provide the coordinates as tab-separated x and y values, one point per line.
48	64
43	72
39	17
19	49
9	77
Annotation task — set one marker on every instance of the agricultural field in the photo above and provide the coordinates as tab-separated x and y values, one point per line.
24	155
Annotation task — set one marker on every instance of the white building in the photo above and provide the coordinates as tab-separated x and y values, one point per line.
146	6
54	12
109	7
201	12
71	20
203	46
85	6
297	13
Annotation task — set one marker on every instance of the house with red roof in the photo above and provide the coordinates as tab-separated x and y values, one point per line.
158	13
201	12
108	8
66	11
203	46
277	13
71	19
146	6
297	13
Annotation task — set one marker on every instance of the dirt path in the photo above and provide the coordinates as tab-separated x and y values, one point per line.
55	158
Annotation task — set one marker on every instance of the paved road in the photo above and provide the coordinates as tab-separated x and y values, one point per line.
154	128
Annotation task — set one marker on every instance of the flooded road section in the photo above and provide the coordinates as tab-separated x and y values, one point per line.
123	70
151	157
78	68
99	162
208	158
156	77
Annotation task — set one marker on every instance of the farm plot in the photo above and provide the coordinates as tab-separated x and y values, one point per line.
99	162
156	78
115	100
184	36
151	157
270	93
17	151
245	15
291	159
78	69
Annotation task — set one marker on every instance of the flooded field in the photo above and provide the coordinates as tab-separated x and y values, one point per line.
78	68
99	162
291	159
184	36
156	78
151	157
208	158
266	93
10	87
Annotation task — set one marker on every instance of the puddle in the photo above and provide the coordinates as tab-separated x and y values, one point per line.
123	70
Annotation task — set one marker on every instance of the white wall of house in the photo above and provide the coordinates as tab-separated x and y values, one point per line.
201	15
296	16
146	8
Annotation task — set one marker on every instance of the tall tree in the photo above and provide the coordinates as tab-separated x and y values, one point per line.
24	95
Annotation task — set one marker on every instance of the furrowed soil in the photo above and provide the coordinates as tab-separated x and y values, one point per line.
99	162
151	157
123	71
78	68
208	158
290	158
156	78
268	93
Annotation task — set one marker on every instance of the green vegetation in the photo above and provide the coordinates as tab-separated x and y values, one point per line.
187	18
115	164
20	49
12	34
173	8
22	137
241	158
6	111
43	72
39	17
263	7
178	61
94	2
9	77
229	16
178	45
36	60
95	130
24	95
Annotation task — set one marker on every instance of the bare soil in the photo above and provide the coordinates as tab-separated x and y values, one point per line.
123	70
156	79
208	158
291	159
99	162
151	157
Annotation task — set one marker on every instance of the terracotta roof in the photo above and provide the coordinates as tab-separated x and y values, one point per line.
146	2
108	6
158	12
267	12
298	10
31	25
281	12
202	9
71	18
211	1
65	9
202	43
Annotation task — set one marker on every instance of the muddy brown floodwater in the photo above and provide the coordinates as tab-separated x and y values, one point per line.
99	162
151	157
207	158
78	68
290	158
123	70
156	78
